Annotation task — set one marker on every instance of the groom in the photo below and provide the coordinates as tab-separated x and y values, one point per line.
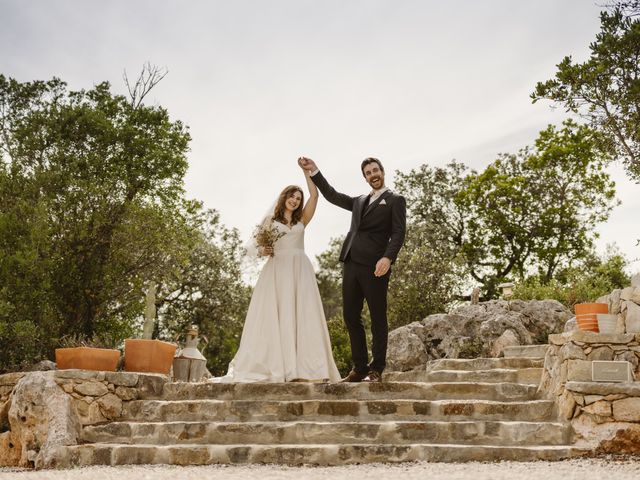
378	223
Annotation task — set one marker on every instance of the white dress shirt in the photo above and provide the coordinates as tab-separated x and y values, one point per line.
376	193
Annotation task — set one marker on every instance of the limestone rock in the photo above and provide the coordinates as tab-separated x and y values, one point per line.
566	405
570	351
626	293
579	371
110	406
601	353
43	366
570	325
630	357
589	399
125	379
609	437
625	441
92	389
632	318
600	408
405	350
614	301
635	297
543	317
126	393
627	410
42	417
507	339
4	415
635	280
89	413
473	331
150	385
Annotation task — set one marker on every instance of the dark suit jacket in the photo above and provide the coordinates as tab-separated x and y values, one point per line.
375	233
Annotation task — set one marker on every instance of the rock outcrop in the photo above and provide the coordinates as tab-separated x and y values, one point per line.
471	331
42	418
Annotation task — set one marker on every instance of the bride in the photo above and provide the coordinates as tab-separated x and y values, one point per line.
285	336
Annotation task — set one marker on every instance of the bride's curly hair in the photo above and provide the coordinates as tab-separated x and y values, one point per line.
278	212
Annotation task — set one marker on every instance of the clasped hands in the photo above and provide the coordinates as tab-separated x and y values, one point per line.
307	164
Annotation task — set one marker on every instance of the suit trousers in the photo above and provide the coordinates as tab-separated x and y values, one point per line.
359	284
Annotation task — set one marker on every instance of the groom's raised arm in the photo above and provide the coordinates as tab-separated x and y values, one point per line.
340	199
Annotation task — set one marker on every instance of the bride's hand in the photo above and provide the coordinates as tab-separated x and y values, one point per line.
266	251
307	164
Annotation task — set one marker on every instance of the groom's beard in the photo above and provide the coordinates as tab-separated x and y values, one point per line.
373	183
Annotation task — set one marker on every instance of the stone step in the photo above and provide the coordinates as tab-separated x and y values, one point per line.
483	363
118	454
525	351
335	410
201	432
504	391
527	376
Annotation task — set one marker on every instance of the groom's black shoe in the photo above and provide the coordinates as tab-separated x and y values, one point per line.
373	376
353	377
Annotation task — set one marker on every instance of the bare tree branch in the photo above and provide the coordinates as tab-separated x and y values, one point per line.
148	78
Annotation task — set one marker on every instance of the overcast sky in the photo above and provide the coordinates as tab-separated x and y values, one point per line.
261	82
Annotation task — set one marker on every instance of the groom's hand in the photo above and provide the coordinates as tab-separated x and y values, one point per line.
382	267
307	164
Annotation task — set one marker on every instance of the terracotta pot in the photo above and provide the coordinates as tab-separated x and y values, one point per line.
87	358
586	315
152	356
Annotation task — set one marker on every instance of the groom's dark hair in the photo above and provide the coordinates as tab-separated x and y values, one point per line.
369	160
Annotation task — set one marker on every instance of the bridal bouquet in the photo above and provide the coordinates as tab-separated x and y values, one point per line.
267	235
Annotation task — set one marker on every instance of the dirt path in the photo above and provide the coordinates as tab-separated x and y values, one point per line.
618	468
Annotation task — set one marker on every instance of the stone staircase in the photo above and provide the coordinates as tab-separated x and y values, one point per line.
452	411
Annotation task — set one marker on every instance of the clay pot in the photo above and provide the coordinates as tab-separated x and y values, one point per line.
87	358
586	315
151	356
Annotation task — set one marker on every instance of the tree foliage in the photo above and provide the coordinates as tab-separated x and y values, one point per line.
92	207
589	279
532	210
207	290
605	89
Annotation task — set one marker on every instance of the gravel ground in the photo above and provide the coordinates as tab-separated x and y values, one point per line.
604	468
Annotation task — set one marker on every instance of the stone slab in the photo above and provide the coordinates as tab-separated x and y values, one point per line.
337	391
579	370
526	351
529	376
482	363
311	410
591	337
632	389
79	374
381	432
118	454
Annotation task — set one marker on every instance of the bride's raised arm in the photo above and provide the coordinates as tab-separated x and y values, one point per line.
310	207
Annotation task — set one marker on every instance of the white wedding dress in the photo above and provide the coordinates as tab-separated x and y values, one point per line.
285	335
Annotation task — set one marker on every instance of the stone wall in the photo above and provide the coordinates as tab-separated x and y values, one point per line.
605	416
40	411
626	304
